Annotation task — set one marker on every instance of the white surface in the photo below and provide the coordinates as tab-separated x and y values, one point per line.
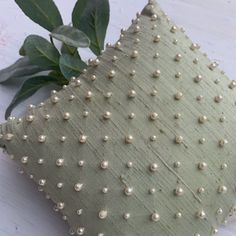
211	23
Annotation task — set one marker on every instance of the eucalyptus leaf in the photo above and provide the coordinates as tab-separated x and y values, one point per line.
28	88
65	49
71	36
20	68
71	65
43	12
92	17
41	52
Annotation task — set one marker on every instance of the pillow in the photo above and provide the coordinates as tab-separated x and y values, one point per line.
141	144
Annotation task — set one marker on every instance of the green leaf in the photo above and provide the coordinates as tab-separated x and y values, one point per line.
71	65
22	51
92	17
43	12
20	68
28	88
71	36
41	52
65	49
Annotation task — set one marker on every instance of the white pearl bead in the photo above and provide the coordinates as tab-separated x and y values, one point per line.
202	119
104	165
153	116
129	139
179	191
232	84
60	185
178	57
218	98
178	215
105	190
128	191
155	217
60	162
54	99
153	167
201	190
223	142
107	115
30	118
134	54
202	166
66	116
40	161
222	189
132	94
80	231
42	182
156	74
79	212
129	164
198	78
111	74
201	215
126	216
42	138
157	39
78	187
25	137
24	160
83	139
102	214
152	190
81	163
63	138
89	95
173	29
179	139
178	95
219	211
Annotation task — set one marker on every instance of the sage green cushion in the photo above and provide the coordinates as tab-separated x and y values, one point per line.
142	144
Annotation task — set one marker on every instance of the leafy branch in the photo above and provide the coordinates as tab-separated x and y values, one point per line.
41	60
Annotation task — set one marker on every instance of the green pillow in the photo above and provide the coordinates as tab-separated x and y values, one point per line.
141	144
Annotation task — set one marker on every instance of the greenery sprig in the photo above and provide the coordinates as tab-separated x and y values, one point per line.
90	19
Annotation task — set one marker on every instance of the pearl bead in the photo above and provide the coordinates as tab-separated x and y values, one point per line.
42	182
129	164
102	214
126	216
195	61
232	84
96	62
66	116
155	217
81	163
178	75
173	29
89	95
194	46
132	73
222	119
59	162
93	77
179	191
175	41
219	211
199	98
154	93
137	40
63	138
108	95
25	137
78	187
104	165
80	231
47	117
136	28
71	97
222	189
105	138
79	212
131	116
177	164
154	17
85	113
156	73
111	74
83	139
178	215
118	45
218	98
157	39
201	190
156	55
42	138
179	139
54	99
77	83
114	58
132	94
24	160
153	138
30	118
202	119
134	54
177	116
128	191
40	161
105	190
178	95
223	142
60	205
153	167
152	190
224	166
129	139
198	79
201	215
153	116
202	166
60	185
178	57
107	115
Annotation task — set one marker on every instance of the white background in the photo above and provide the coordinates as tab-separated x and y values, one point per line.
211	23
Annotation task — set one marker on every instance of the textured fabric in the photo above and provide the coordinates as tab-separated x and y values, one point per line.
141	144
